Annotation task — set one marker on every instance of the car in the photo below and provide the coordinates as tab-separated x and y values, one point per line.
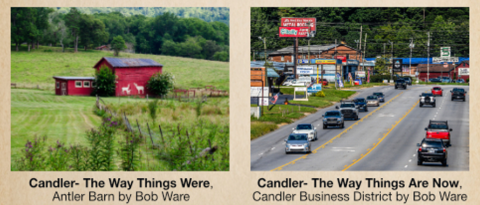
307	129
432	150
372	100
458	93
437	91
348	109
400	83
333	118
361	104
460	81
438	130
380	96
445	79
435	80
427	99
297	143
408	80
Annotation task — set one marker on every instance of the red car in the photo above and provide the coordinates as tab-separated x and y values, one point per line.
437	91
438	130
323	81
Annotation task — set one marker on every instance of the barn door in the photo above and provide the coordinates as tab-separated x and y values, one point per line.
64	88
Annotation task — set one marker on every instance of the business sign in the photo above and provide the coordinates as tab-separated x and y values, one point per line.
343	58
463	71
360	74
300	89
302	61
299	22
305	70
397	65
445	52
257	91
323	61
292	31
263	101
444	59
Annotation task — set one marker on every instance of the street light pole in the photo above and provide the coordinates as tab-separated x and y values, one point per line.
411	47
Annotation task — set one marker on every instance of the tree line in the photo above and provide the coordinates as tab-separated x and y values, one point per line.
383	28
165	34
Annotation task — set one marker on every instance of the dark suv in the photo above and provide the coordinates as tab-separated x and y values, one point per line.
432	150
458	93
408	80
400	83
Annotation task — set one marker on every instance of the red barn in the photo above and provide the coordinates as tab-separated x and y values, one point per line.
462	70
434	71
73	85
132	74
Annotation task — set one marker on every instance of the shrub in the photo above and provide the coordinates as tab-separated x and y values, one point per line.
152	108
118	44
104	82
160	83
320	94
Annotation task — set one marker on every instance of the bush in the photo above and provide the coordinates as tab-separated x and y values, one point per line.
468	80
320	94
104	82
159	84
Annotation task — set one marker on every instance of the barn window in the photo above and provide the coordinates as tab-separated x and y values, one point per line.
86	84
58	85
78	84
93	84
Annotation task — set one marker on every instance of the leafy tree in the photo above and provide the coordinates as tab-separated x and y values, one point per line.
118	44
92	31
73	21
160	83
221	56
104	82
21	20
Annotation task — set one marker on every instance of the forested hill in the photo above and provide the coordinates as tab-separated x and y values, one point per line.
208	14
382	28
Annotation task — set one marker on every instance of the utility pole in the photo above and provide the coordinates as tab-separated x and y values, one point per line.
411	47
384	56
391	73
335	74
428	57
295	58
365	50
360	41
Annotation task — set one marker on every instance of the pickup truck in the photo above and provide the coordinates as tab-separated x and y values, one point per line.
438	130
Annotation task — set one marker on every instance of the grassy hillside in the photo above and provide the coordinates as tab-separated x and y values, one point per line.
38	66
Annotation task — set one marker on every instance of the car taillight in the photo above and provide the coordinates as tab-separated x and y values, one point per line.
420	149
444	150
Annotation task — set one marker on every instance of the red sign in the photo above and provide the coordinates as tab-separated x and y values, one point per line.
293	31
300	22
445	65
343	58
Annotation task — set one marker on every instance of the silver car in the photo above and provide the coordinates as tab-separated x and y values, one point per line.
297	143
427	99
307	129
372	100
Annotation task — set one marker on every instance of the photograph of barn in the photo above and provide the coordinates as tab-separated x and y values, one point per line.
97	89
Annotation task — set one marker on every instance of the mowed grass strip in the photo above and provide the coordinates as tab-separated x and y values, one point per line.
37	67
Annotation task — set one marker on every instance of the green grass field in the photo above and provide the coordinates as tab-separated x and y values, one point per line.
37	67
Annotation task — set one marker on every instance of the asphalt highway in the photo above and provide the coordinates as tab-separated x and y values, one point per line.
383	139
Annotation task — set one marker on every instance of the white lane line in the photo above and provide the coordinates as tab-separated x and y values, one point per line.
260	154
414	155
406	166
410	160
273	148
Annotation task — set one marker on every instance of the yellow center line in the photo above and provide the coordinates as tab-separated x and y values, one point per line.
331	140
381	139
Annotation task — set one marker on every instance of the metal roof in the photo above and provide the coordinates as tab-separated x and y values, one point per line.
130	62
304	49
271	73
276	65
73	78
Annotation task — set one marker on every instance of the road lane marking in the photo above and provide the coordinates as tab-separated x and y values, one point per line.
376	144
338	136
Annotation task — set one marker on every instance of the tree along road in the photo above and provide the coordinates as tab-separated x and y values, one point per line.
384	138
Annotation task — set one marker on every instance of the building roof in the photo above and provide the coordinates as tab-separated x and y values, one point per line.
421	60
73	78
460	63
276	65
304	49
434	68
129	62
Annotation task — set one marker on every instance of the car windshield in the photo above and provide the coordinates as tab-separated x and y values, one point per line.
371	97
400	81
347	105
427	94
330	114
361	100
428	143
437	88
304	127
458	90
440	125
297	137
378	94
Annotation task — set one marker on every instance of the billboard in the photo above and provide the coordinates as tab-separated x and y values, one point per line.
299	22
292	31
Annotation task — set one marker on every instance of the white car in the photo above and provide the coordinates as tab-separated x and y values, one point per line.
306	129
297	83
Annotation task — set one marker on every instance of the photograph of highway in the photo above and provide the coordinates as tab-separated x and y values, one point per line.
358	89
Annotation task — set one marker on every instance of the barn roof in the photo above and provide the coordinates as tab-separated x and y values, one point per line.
73	78
129	62
434	68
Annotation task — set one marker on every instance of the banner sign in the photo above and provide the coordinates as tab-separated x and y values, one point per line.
305	70
302	61
323	61
397	65
463	71
257	91
292	31
300	22
339	80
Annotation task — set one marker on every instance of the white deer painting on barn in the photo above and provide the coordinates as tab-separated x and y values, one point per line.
126	89
139	88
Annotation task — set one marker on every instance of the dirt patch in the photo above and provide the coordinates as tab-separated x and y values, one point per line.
282	124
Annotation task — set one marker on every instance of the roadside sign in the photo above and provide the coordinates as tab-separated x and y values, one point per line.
444	59
397	65
257	91
360	74
300	89
445	52
305	70
299	22
293	31
302	61
463	71
263	102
